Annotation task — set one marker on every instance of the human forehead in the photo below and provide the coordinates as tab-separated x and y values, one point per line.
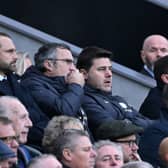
6	130
101	62
107	150
130	137
6	43
83	141
157	42
63	53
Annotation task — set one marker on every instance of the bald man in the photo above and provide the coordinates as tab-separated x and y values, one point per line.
154	47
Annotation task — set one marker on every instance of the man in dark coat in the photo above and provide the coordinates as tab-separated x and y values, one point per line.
152	104
152	137
10	85
55	83
154	47
99	104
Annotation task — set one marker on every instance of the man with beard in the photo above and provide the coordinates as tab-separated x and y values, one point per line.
10	85
154	48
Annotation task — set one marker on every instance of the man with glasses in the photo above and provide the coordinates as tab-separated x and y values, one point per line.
124	133
8	135
54	81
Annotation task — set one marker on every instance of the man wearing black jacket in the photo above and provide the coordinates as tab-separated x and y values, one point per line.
10	85
55	83
98	103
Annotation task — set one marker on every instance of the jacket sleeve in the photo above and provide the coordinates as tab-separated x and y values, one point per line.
97	111
151	107
133	115
53	103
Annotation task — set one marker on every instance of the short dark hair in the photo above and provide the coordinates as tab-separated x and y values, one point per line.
160	67
47	51
88	54
5	34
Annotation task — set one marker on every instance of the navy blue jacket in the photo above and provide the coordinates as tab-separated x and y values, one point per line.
152	104
152	137
52	94
12	87
101	106
25	154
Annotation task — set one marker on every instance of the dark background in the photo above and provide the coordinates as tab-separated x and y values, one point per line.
119	26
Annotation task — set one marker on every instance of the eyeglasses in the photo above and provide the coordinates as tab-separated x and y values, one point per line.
131	143
68	61
9	139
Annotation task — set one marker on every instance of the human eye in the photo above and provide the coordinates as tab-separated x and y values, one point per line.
117	157
152	50
106	158
87	149
164	50
110	68
101	68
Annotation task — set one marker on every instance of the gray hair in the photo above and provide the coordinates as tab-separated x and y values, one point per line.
5	109
102	143
54	128
137	164
47	51
37	162
67	139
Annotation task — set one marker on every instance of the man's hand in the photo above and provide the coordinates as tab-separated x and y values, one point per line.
75	77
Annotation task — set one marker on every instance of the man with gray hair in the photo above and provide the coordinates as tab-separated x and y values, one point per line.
13	109
74	149
55	83
109	154
45	160
137	164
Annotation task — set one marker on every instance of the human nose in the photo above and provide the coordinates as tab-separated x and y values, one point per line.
72	67
135	147
14	55
93	153
15	143
113	162
29	122
108	73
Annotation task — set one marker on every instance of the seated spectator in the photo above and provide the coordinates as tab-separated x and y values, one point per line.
124	133
23	62
55	127
13	109
10	85
163	152
151	106
155	134
44	161
109	154
6	156
98	102
74	149
55	83
154	48
8	135
137	164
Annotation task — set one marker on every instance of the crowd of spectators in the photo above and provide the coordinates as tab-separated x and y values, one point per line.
54	113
